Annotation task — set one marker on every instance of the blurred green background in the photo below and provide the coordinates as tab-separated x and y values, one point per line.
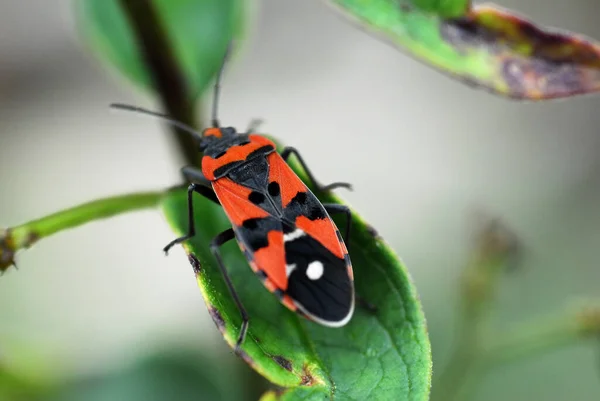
423	152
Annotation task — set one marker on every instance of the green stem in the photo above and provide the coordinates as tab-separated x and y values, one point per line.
24	235
464	356
473	356
14	386
534	338
162	65
494	251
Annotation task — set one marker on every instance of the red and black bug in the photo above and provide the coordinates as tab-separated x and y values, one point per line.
284	231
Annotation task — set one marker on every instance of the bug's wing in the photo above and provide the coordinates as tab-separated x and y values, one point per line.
319	282
317	262
259	233
234	199
299	255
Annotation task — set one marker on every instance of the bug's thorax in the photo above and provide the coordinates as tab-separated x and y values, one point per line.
224	150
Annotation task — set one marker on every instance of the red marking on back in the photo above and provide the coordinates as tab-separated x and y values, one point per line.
263	141
272	260
233	154
289	183
213	131
234	199
324	231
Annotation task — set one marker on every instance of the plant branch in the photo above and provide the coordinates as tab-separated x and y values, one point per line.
495	250
533	338
23	236
474	352
169	81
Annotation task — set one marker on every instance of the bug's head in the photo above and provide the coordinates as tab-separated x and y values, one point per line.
214	135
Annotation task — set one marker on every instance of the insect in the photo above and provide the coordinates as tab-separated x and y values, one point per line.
284	231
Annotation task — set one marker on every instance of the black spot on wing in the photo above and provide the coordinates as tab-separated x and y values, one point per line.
250	224
257	241
274	189
304	204
316	212
273	192
253	232
329	297
256	197
300	198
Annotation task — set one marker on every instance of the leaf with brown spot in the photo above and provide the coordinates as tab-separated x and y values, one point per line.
7	250
196	266
284	363
217	318
484	46
380	355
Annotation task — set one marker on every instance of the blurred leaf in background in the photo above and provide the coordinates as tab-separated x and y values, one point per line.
198	31
165	376
484	46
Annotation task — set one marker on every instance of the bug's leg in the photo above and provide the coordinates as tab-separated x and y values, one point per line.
202	190
194	175
219	240
333	208
285	154
191	227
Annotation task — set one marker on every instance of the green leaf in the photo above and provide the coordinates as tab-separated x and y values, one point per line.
299	394
199	32
443	8
382	355
483	46
159	377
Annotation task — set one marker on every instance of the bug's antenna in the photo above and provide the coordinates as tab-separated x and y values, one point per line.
164	117
217	88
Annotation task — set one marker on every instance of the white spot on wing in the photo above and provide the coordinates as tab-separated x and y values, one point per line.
297	233
289	269
315	270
